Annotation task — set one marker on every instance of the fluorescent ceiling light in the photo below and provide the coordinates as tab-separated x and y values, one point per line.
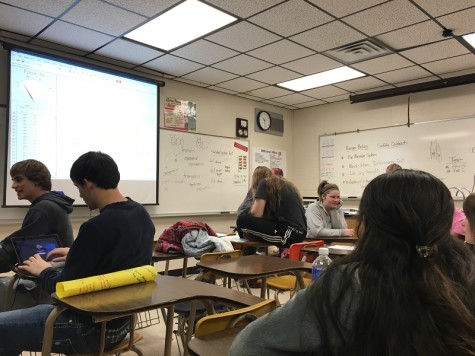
183	23
320	79
470	38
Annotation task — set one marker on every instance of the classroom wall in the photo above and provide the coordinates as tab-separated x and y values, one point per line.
216	115
310	123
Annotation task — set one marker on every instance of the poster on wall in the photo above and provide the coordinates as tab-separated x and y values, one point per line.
180	114
269	157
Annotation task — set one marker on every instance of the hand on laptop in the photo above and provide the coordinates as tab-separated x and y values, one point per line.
34	265
58	254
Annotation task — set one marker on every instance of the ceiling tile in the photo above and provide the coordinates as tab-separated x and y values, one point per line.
281	52
274	75
382	64
243	37
415	35
244	8
372	90
103	17
386	17
58	47
442	7
458	73
290	18
204	52
417	81
325	92
404	74
312	64
192	82
224	90
50	8
241	85
74	36
242	65
334	99
22	21
109	60
129	51
312	103
269	92
435	51
328	36
460	22
293	99
173	65
360	84
453	64
343	8
148	8
210	76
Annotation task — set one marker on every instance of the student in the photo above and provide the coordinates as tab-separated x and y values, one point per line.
276	215
393	167
458	229
120	237
325	217
259	174
407	289
48	213
278	171
469	221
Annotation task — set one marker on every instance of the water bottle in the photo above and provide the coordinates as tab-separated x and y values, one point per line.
321	263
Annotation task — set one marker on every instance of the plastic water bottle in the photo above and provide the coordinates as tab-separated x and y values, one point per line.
321	263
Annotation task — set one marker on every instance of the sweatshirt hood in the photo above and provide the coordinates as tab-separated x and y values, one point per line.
59	198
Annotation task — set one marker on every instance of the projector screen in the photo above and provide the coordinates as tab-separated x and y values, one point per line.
59	110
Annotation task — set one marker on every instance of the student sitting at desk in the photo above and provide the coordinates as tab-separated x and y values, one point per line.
408	288
469	221
325	217
276	215
259	174
48	213
120	237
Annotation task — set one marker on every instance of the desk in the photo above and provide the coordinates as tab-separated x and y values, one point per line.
239	244
257	266
332	250
329	239
164	292
167	257
216	344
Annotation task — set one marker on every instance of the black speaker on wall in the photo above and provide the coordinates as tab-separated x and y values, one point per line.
242	128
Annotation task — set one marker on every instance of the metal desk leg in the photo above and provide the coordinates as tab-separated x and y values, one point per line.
169	330
185	267
191	325
48	332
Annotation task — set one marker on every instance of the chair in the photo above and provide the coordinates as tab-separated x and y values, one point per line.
183	309
215	324
288	282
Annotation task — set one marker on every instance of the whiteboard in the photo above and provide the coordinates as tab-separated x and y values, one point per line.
201	174
444	148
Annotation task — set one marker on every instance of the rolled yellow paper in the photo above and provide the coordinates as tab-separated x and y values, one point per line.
106	281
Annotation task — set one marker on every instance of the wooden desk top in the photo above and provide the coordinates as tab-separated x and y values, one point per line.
161	256
329	239
216	344
245	242
162	292
332	250
252	266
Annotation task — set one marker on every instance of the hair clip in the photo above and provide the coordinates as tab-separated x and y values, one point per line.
424	251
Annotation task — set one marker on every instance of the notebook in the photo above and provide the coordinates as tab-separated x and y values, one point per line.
27	246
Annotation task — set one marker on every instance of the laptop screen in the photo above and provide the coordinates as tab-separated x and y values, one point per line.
25	247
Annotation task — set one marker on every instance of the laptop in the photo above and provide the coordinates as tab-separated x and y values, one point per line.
27	246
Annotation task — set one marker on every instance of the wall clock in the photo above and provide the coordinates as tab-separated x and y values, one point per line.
263	120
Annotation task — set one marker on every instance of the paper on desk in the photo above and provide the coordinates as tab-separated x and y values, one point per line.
106	281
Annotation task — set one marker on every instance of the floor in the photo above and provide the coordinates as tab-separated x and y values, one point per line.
154	326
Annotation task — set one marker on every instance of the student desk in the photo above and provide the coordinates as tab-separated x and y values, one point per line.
167	257
257	266
329	239
333	251
239	244
164	292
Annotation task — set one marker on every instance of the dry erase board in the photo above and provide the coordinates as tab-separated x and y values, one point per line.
200	174
444	148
